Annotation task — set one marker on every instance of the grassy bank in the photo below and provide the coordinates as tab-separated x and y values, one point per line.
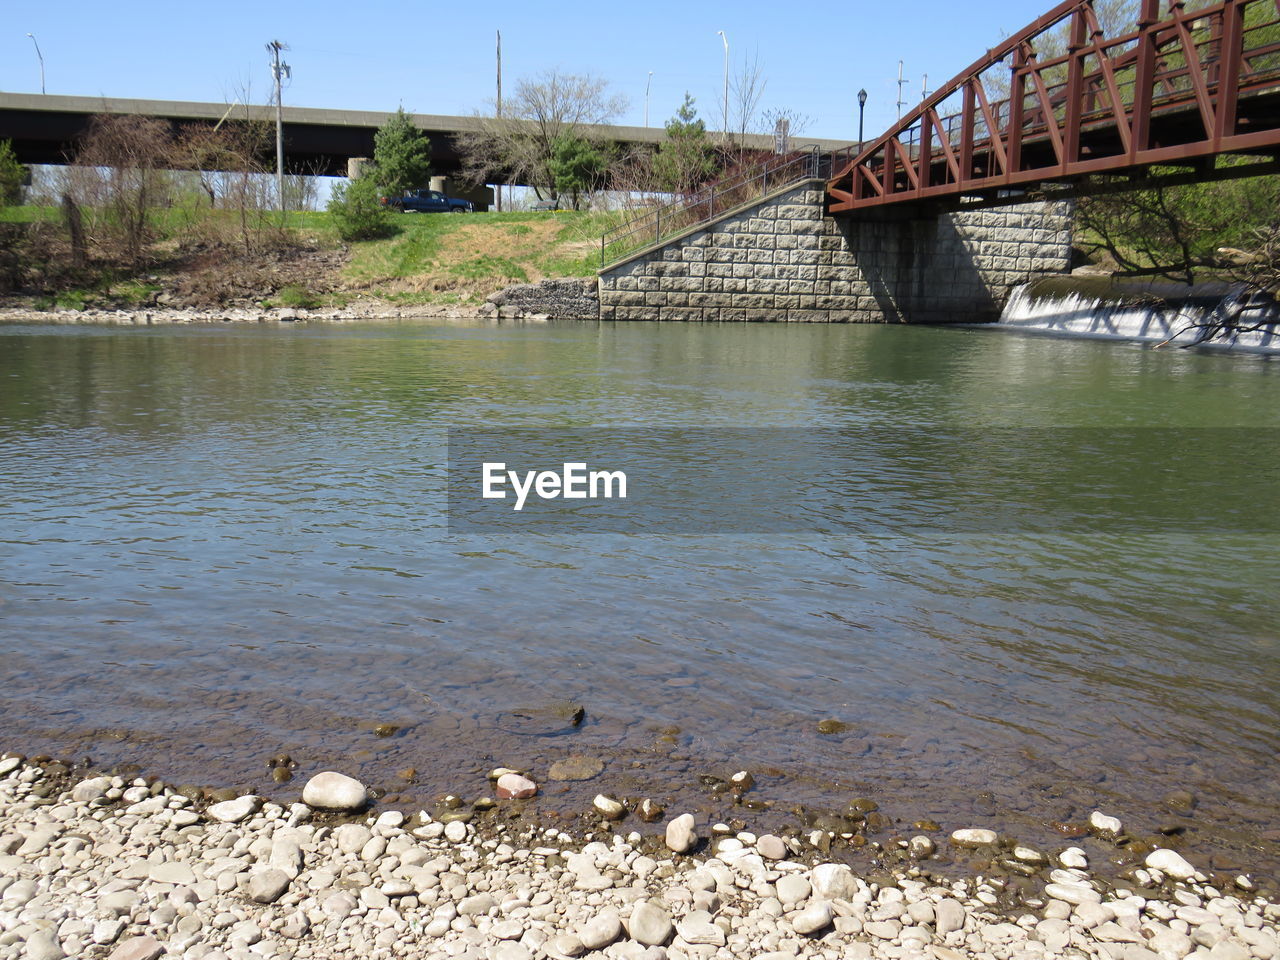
208	257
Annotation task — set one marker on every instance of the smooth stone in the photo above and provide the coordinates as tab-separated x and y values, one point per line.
650	924
267	886
87	791
511	950
9	764
1171	863
567	945
455	831
833	881
43	945
812	919
793	888
608	807
700	930
512	786
1074	859
351	837
921	847
1075	893
507	930
1102	823
599	932
1028	854
233	811
138	948
474	906
949	915
771	847
334	791
576	768
973	837
179	874
680	834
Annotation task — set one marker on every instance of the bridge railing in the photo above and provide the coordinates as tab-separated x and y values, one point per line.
653	225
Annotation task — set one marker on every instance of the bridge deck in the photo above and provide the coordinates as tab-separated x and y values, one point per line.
1173	90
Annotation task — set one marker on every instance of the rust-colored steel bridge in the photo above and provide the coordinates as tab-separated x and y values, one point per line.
1061	102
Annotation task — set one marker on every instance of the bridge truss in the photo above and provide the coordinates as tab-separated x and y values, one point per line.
1062	102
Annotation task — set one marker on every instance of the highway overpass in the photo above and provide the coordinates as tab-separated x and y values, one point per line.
45	129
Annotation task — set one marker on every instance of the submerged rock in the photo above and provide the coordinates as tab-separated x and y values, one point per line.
576	768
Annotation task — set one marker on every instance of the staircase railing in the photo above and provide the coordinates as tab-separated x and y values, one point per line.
709	202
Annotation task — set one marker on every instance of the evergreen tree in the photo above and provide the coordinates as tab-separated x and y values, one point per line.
12	175
576	167
401	155
686	159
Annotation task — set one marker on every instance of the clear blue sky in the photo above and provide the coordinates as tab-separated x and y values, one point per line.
376	54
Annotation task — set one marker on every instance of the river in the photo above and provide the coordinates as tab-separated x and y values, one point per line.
218	543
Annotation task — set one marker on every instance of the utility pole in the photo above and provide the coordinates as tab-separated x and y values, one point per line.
647	84
901	83
725	128
498	186
279	71
924	88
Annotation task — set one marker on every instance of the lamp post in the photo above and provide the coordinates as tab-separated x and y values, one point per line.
725	128
647	84
40	57
862	106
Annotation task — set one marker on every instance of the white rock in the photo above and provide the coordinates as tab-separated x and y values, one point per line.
949	915
833	881
172	872
921	847
771	847
1104	824
973	837
334	791
1074	858
455	831
43	945
650	924
87	791
608	807
1028	854
700	929
812	919
793	888
599	932
1075	893
267	886
233	811
681	835
1171	863
512	786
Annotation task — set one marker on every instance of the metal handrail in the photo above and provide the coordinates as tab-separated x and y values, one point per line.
710	201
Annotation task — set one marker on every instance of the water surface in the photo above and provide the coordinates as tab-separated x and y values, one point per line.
218	543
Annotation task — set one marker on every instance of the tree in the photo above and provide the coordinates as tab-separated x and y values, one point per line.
401	155
1172	231
577	167
12	175
686	158
745	92
518	145
357	211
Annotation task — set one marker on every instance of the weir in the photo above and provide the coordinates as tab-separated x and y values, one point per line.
1213	319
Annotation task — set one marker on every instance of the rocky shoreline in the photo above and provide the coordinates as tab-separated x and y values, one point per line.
132	869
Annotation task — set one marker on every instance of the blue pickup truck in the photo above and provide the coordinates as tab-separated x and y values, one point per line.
428	201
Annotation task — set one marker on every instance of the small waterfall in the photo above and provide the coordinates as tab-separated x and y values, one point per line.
1211	317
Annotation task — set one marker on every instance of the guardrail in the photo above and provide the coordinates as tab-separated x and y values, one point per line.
711	201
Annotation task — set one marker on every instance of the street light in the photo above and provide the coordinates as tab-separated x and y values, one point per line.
725	128
647	83
862	105
40	57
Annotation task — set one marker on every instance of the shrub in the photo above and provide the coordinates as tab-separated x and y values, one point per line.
357	212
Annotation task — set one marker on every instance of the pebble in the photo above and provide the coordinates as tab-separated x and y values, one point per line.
598	933
138	948
1104	824
650	924
1171	863
812	919
576	768
76	877
973	837
233	811
334	791
608	807
512	786
771	847
680	835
